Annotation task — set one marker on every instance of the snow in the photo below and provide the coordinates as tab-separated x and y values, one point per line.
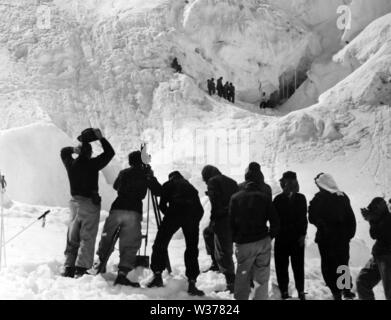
30	160
35	274
107	63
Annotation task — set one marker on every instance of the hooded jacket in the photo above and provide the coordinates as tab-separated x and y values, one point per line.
220	191
254	174
180	198
132	185
249	212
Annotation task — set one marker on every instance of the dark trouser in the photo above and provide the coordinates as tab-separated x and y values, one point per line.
209	238
282	252
377	269
129	223
82	231
219	92
170	225
333	256
224	247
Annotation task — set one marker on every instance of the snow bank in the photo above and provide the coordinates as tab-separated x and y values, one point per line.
30	160
366	44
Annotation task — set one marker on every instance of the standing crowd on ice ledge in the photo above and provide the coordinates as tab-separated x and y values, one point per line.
244	215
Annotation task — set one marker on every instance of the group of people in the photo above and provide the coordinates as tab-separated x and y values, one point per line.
244	215
226	91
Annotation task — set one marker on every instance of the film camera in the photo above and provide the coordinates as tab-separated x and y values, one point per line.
146	159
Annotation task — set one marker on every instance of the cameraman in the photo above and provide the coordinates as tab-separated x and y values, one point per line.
379	266
126	212
182	209
85	205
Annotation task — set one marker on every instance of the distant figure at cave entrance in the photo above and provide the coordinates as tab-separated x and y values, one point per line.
176	66
263	103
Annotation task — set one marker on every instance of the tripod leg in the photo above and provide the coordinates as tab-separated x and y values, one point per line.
158	222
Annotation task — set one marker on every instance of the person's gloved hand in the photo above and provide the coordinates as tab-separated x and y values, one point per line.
301	241
77	150
98	134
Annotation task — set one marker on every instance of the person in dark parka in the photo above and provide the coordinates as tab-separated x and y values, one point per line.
125	215
213	86
226	91
209	84
220	87
220	190
232	93
250	210
176	66
291	207
378	267
331	213
182	209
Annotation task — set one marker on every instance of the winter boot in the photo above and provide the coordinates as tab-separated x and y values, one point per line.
122	280
69	272
193	291
348	295
302	296
337	295
99	267
230	279
285	295
157	281
79	272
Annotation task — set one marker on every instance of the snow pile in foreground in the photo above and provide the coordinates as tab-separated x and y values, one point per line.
35	260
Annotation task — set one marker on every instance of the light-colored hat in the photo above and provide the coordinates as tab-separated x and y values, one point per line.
326	182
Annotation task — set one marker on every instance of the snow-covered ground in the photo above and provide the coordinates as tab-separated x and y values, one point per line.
34	263
108	63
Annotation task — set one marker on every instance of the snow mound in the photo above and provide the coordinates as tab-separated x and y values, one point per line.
30	160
